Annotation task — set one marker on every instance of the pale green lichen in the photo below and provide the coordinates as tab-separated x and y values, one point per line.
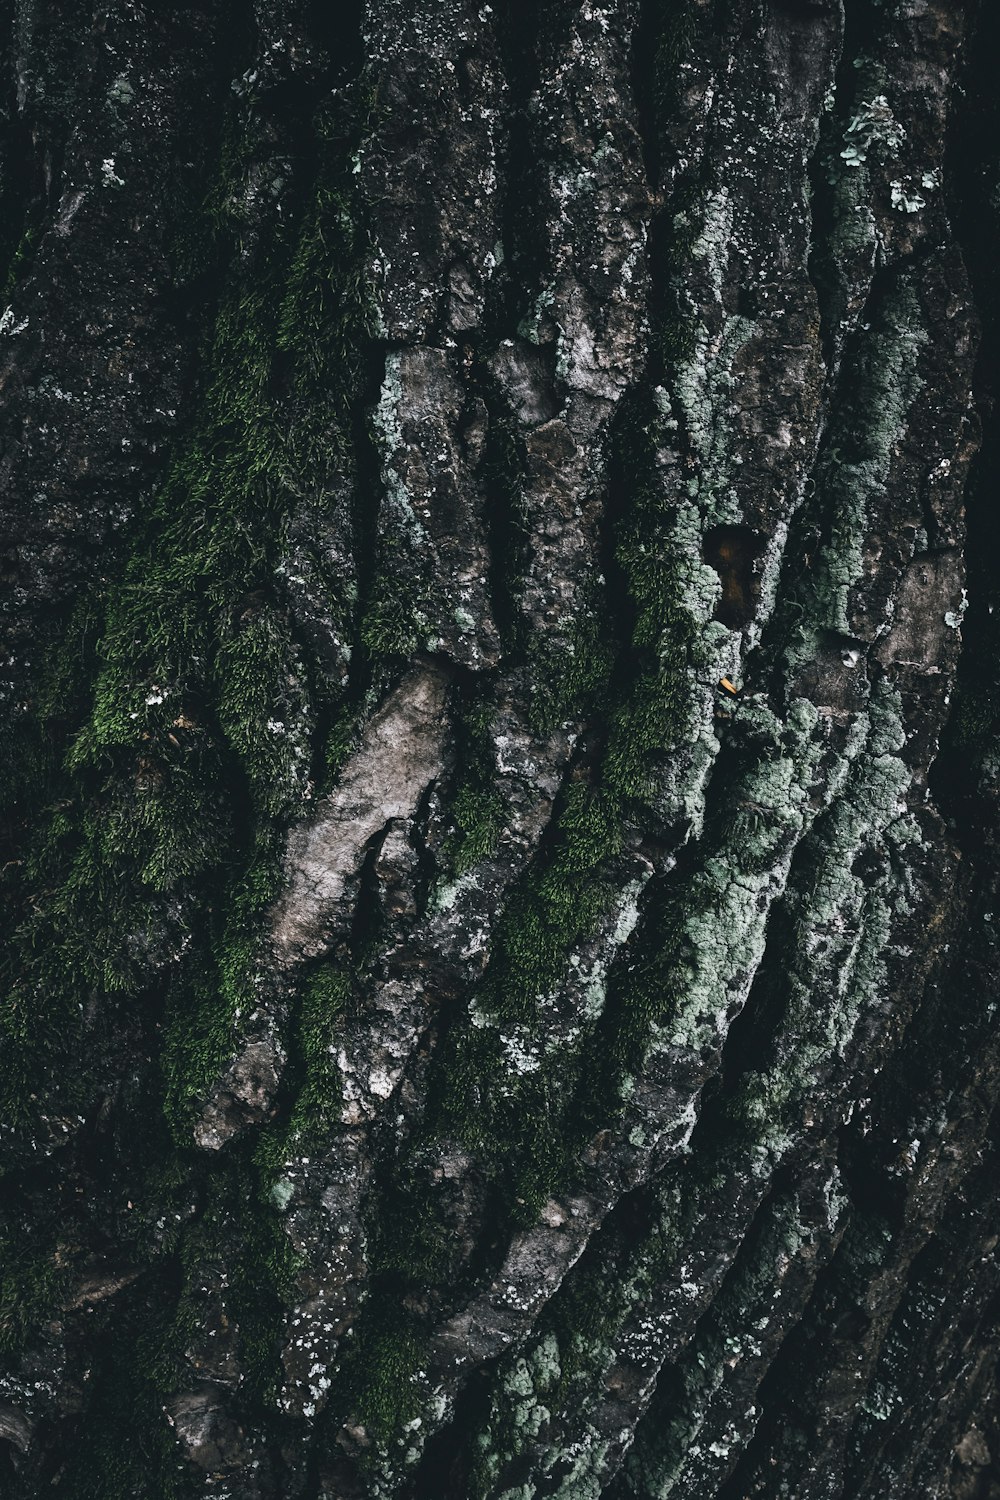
715	237
906	198
121	91
387	426
853	976
702	384
709	1418
281	1193
530	326
873	129
858	458
844	940
737	887
854	231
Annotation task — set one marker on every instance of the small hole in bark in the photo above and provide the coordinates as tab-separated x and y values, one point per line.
733	551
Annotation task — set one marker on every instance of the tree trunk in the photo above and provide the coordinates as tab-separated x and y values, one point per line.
499	669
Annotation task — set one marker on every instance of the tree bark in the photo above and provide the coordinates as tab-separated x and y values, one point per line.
503	740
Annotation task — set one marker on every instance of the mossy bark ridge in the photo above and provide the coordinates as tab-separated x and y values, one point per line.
503	750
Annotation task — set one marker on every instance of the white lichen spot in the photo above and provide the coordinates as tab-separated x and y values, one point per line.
905	198
873	129
281	1193
8	324
380	1083
121	91
388	427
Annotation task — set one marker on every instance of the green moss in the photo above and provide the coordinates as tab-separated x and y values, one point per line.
312	1072
198	740
339	740
31	1288
265	711
193	616
392	627
325	995
143	1350
32	734
126	1446
20	260
554	907
567	680
82	946
476	808
526	1122
586	1320
705	1396
243	1229
527	1125
164	785
547	1386
215	984
477	814
384	1373
678	29
519	1412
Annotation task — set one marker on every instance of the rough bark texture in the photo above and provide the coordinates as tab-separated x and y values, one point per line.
501	824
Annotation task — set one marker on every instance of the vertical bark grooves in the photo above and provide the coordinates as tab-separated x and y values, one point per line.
499	998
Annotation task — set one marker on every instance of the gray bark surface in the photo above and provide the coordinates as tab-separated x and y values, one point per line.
499	994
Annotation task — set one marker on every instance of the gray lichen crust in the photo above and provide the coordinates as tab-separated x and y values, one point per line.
499	691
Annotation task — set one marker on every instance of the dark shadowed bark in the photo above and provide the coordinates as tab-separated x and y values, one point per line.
502	749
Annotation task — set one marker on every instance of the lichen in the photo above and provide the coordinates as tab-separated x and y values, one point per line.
855	464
